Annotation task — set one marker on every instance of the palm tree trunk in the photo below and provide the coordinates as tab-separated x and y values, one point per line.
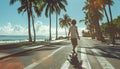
29	28
99	33
92	33
34	29
98	30
56	25
32	16
109	24
106	16
110	12
50	38
112	30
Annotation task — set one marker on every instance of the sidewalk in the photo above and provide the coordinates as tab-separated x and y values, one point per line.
9	52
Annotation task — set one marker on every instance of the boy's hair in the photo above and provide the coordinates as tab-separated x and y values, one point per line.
73	22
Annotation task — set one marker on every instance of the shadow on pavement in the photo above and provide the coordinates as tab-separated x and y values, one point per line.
31	52
58	43
16	47
8	46
104	51
75	62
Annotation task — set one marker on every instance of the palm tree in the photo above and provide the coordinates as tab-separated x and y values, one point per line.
89	24
24	8
65	22
49	9
94	10
112	33
110	24
37	7
32	17
53	6
28	6
60	4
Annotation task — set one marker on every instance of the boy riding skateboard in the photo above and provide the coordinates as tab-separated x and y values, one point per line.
73	32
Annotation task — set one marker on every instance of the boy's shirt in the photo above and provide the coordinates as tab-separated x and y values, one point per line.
73	30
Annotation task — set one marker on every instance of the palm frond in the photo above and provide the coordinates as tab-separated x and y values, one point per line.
13	1
20	9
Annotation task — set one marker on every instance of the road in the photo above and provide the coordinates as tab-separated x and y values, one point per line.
92	54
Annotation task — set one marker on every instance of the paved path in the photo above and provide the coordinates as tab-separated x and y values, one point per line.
92	54
8	52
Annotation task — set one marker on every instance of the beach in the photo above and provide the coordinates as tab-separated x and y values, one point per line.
19	38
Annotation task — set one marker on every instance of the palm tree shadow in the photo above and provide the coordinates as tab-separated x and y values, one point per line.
111	52
105	51
75	62
31	52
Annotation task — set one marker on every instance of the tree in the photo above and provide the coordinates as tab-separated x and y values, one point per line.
60	4
28	6
49	9
116	24
32	17
24	8
93	9
65	22
37	7
53	6
112	33
89	24
104	3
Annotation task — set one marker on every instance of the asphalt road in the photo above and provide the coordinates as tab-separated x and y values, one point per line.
92	54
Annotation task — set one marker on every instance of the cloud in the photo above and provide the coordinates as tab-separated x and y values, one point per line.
10	29
41	29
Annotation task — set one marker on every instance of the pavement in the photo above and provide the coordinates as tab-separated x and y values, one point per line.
4	53
9	52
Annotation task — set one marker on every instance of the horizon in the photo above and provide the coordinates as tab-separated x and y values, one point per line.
12	23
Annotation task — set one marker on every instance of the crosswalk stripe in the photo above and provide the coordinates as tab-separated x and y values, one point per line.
65	65
31	66
104	63
85	62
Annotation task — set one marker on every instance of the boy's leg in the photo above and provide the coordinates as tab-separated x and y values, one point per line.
74	46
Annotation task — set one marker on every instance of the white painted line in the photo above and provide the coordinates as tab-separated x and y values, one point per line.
33	47
31	66
85	62
56	41
104	63
65	65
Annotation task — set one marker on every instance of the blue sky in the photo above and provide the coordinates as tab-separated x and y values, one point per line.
12	23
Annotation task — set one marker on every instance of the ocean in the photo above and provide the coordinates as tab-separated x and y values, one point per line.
19	38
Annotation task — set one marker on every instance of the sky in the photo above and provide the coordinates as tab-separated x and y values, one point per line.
12	23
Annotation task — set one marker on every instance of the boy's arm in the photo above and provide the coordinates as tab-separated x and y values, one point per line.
77	34
69	34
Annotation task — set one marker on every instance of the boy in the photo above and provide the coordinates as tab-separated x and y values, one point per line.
74	34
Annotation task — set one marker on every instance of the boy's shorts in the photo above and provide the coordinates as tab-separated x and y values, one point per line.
74	41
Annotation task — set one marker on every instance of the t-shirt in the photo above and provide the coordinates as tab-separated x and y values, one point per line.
73	30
